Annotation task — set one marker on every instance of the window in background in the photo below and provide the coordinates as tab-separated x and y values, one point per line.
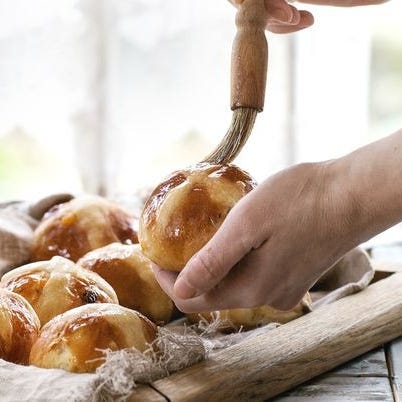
41	84
386	72
170	85
349	79
110	96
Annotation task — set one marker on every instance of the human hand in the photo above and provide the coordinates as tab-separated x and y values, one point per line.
282	236
282	17
285	18
271	248
343	3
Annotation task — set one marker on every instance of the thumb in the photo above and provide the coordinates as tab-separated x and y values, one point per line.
213	262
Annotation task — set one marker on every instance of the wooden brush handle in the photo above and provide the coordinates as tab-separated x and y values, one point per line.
249	56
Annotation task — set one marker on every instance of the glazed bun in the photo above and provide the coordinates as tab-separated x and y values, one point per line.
129	272
55	286
19	327
185	211
249	318
74	341
81	225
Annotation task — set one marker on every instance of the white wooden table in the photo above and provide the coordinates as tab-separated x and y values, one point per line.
372	377
375	376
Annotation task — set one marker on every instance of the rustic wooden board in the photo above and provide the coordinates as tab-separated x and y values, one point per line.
277	360
146	393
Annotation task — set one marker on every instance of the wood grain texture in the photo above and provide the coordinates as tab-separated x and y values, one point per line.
249	56
394	356
372	364
275	361
343	389
362	379
146	393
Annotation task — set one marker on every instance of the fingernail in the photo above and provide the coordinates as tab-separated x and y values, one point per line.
183	290
281	15
157	270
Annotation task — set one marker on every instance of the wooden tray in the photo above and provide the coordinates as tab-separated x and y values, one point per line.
277	360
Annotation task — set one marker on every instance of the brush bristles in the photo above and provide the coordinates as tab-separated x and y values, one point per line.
243	120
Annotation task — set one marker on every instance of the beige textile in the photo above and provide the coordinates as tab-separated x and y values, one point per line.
123	370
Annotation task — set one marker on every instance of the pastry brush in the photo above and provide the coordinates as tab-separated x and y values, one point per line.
248	78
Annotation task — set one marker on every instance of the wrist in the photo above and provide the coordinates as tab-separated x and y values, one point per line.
368	187
341	203
350	200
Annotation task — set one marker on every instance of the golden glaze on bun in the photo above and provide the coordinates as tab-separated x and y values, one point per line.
249	318
185	211
129	272
19	327
81	225
55	286
73	341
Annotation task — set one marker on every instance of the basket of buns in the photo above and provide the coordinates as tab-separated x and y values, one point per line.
80	304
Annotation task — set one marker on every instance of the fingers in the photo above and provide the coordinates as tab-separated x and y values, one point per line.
305	19
344	3
281	11
284	18
252	282
233	240
166	279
